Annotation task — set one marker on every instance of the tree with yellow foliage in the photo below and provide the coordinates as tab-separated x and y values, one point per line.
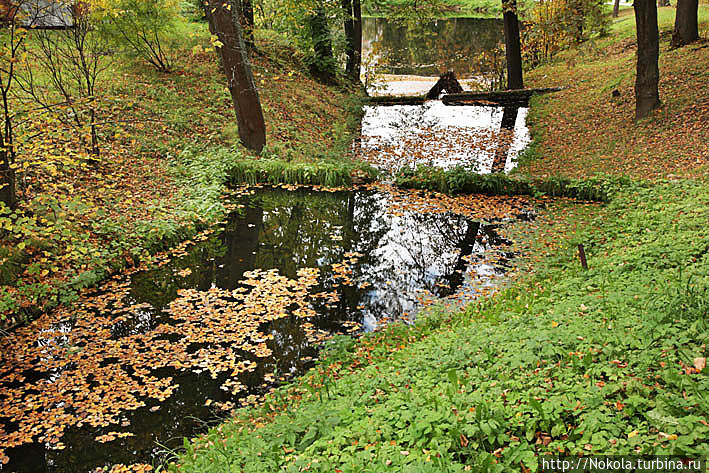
144	27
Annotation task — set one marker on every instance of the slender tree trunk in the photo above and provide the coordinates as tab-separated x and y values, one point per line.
647	96
94	133
513	51
8	195
349	35
686	24
247	19
224	23
616	8
357	37
7	184
578	19
323	63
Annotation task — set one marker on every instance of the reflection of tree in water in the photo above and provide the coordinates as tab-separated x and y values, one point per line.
507	132
409	119
295	230
418	252
386	128
402	256
158	287
430	48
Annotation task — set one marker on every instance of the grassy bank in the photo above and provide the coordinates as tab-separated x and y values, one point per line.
277	171
168	144
459	180
610	360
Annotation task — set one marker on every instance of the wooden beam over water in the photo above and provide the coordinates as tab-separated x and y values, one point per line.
519	98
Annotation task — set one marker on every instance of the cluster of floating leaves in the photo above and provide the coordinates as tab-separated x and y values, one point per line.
475	207
68	369
474	148
134	468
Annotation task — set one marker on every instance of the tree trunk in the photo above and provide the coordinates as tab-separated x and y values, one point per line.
577	19
616	8
357	37
247	23
686	24
647	96
7	185
513	52
322	65
94	133
249	116
349	35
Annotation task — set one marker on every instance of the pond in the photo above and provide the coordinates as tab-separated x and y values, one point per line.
148	359
477	138
427	49
407	59
155	356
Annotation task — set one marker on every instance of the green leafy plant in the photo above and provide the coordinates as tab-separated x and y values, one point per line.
143	26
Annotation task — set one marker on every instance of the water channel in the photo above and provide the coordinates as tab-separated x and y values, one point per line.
151	358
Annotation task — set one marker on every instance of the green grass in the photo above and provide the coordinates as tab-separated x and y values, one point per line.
569	361
624	25
459	180
276	171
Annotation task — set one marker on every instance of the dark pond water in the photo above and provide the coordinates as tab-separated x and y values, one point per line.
395	258
428	49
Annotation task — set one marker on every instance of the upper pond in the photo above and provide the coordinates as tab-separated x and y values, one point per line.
427	49
478	138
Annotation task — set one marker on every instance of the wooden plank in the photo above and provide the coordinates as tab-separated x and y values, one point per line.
502	97
518	97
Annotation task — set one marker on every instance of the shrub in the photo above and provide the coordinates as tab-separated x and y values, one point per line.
554	24
143	26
